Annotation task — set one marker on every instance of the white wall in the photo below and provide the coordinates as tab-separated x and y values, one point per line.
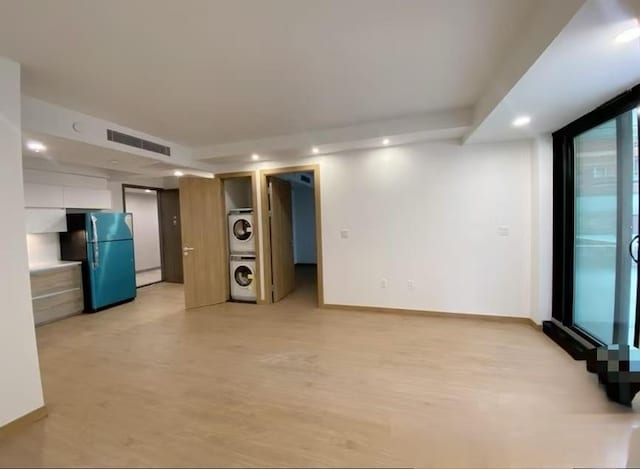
542	228
304	224
43	248
431	213
237	193
20	386
146	234
115	186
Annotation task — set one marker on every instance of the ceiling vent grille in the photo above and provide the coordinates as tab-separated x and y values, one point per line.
136	142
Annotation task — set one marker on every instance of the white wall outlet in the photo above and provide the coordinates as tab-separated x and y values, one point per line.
383	283
411	285
344	234
503	230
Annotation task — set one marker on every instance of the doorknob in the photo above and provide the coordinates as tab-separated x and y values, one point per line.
186	250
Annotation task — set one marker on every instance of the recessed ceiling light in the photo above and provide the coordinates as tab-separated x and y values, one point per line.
178	173
386	141
255	157
315	150
521	121
628	35
36	146
148	191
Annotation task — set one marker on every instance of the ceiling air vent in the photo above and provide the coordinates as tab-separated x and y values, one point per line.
130	140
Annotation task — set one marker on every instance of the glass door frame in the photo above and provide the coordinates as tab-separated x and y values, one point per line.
564	223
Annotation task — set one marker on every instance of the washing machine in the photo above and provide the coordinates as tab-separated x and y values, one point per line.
243	283
241	228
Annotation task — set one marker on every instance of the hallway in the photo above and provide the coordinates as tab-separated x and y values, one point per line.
305	293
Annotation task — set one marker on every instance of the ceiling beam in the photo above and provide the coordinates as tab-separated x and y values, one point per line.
45	118
438	124
546	22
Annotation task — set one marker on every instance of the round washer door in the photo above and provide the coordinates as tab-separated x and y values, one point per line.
242	230
243	276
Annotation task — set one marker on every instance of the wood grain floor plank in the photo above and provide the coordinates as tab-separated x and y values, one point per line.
150	384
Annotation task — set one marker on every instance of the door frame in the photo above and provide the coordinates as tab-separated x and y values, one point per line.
161	238
254	198
264	220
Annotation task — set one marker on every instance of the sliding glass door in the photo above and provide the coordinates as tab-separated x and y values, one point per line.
606	229
595	228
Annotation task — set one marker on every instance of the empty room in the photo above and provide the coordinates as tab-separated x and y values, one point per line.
320	233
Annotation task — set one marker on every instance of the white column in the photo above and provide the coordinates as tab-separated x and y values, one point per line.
20	386
542	227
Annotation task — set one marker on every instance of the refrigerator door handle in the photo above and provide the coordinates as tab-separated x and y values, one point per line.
96	249
94	226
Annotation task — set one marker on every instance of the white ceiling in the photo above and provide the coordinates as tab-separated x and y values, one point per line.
581	69
204	72
279	77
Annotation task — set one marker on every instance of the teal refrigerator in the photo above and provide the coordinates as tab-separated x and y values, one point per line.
103	242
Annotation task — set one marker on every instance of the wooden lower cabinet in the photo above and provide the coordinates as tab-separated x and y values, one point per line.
55	281
56	294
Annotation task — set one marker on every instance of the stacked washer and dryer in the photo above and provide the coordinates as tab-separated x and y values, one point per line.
242	259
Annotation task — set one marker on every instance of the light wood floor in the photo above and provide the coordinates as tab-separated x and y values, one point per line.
148	384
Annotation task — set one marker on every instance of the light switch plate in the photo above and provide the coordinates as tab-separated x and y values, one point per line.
344	234
503	230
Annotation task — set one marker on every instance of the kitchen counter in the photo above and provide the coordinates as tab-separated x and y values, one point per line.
56	290
45	267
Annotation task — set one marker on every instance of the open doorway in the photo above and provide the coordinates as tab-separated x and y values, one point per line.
143	204
156	233
291	218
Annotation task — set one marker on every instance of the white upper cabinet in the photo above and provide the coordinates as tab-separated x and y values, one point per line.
80	197
43	196
50	196
46	220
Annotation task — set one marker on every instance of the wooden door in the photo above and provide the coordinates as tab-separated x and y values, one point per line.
282	264
171	249
203	241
